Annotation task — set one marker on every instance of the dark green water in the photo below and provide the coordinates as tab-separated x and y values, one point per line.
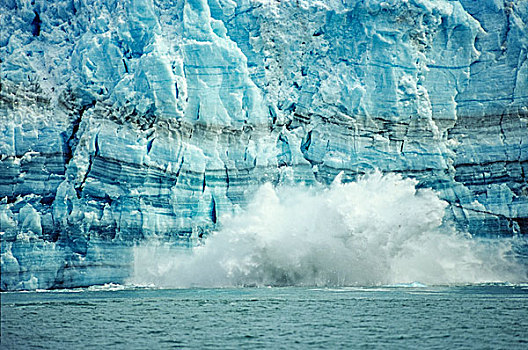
472	317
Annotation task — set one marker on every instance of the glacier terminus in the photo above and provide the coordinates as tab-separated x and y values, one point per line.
149	120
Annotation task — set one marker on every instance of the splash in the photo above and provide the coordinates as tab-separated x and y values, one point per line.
378	230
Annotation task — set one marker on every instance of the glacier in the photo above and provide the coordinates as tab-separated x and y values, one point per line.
148	120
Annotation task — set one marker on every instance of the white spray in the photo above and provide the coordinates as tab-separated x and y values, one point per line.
378	230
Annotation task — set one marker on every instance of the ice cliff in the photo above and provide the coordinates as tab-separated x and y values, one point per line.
122	121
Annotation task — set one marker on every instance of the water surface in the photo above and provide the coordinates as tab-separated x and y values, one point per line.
478	316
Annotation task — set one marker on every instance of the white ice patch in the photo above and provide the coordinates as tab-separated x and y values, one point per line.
379	230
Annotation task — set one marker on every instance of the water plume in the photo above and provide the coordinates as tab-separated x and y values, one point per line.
376	231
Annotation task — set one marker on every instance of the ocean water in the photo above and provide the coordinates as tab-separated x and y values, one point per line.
411	317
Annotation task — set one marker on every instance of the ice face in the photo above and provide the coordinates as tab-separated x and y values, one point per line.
141	119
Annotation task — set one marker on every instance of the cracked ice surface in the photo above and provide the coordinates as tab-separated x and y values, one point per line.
141	119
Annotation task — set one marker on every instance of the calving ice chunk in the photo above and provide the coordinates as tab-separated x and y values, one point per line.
130	122
379	230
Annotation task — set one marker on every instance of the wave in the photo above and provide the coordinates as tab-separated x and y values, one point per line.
380	230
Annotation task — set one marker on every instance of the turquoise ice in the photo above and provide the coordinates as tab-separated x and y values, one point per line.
126	121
